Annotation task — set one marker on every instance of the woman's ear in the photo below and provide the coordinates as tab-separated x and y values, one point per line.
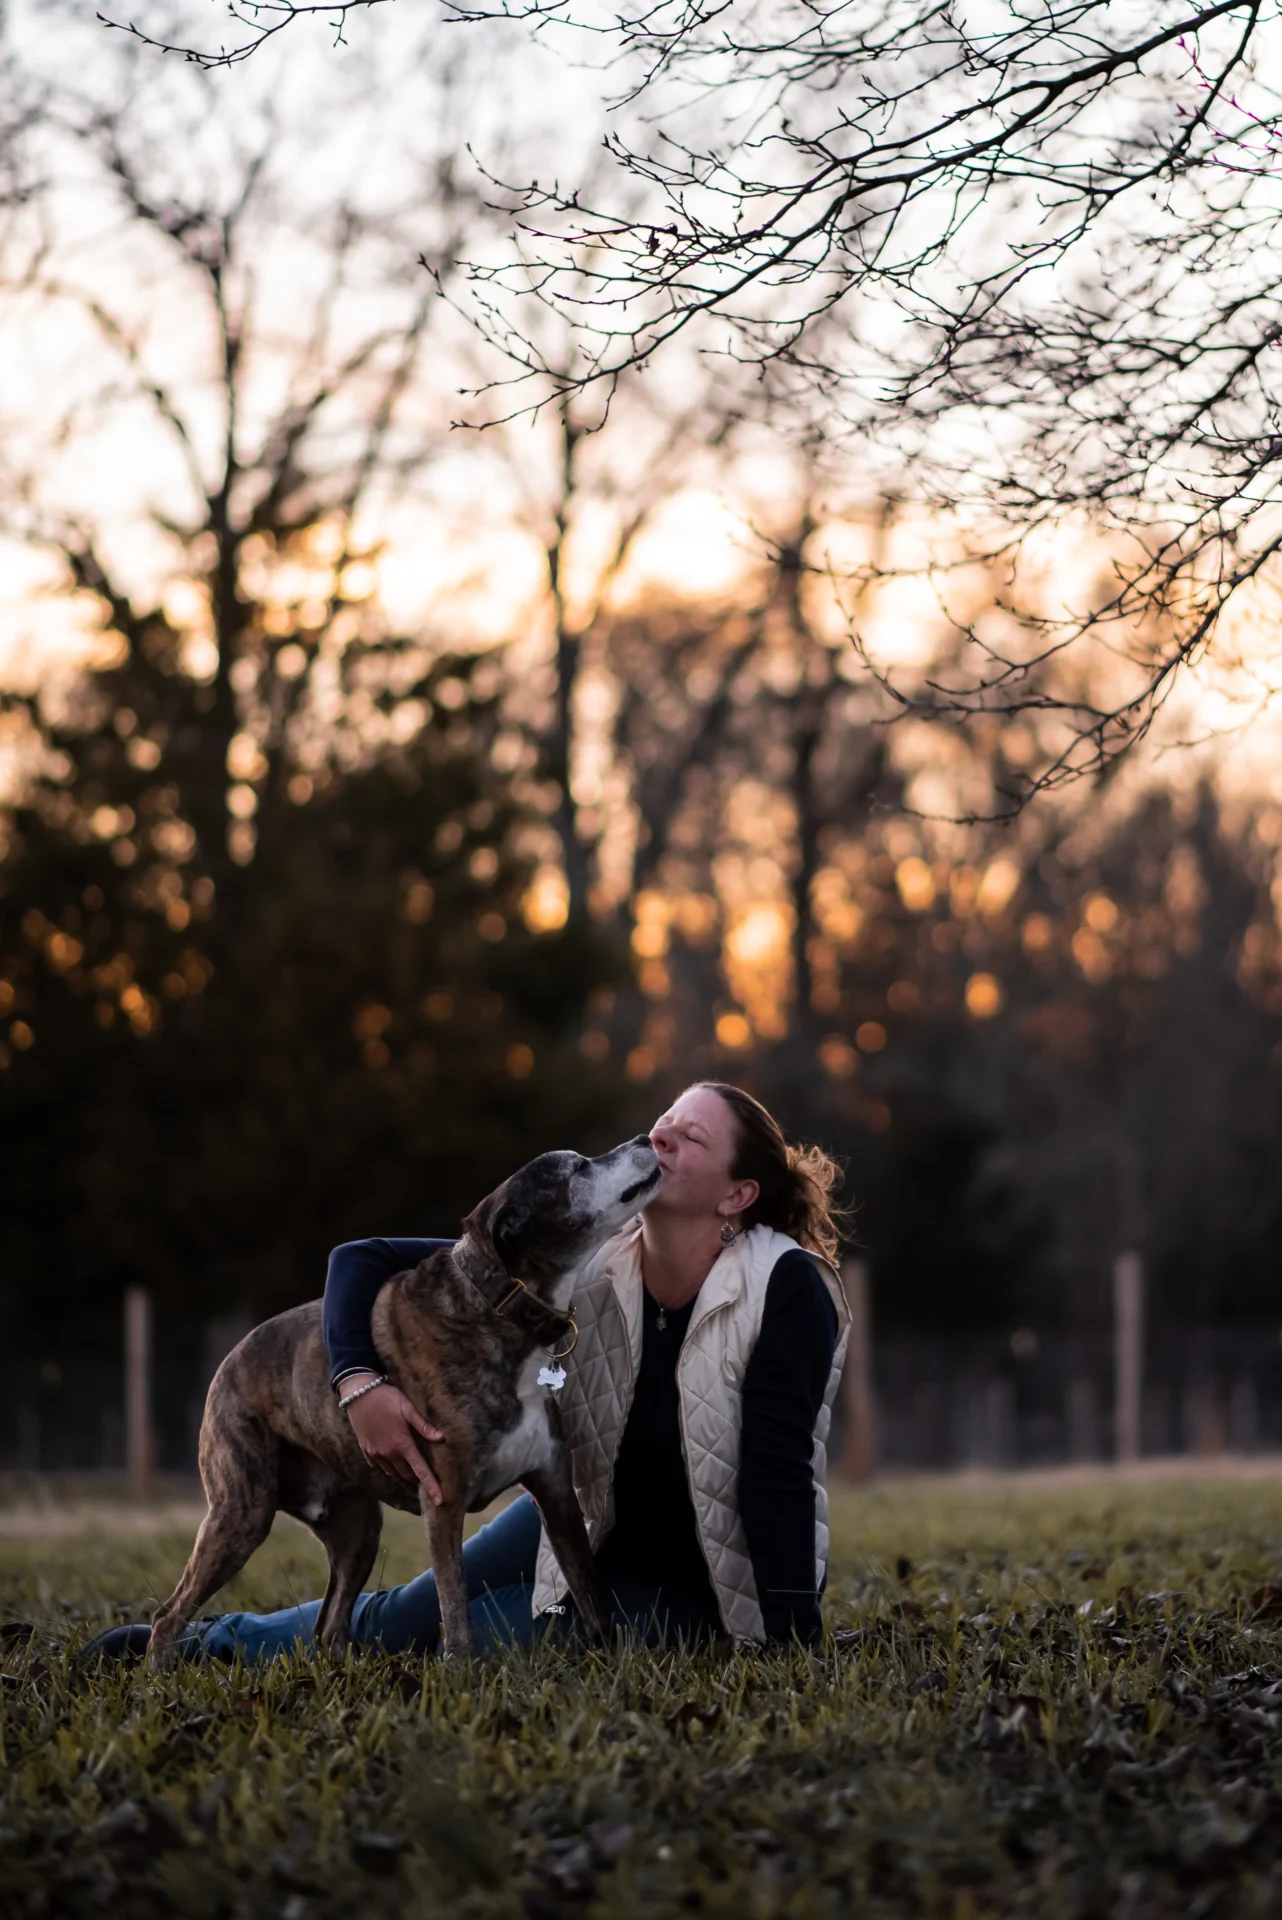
739	1198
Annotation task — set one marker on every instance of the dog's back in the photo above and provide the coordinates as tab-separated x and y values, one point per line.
273	1393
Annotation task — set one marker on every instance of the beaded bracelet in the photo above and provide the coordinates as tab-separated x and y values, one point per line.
356	1392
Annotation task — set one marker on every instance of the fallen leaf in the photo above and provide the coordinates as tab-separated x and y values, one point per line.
568	1863
408	1682
137	1828
290	1871
692	1715
1218	1832
935	1681
377	1852
608	1841
183	1743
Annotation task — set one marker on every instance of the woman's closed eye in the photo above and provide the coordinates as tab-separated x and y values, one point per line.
683	1129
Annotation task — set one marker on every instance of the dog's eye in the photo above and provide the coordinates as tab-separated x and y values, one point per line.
582	1165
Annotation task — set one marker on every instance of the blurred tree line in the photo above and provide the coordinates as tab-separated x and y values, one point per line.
314	923
1035	1044
282	957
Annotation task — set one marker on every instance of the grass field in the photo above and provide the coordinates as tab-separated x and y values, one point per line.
1062	1702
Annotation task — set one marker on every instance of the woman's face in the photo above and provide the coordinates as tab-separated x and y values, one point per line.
695	1142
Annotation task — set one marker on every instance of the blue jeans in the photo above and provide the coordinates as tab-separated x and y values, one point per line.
498	1566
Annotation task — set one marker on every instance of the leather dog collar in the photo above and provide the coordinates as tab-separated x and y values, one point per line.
510	1299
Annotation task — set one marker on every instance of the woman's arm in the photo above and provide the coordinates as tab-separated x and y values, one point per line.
358	1270
783	1390
383	1420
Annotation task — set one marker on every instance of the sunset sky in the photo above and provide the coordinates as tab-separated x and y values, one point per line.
455	550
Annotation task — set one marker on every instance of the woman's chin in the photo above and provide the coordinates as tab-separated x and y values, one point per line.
668	1204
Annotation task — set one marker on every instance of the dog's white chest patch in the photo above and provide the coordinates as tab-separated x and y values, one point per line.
529	1443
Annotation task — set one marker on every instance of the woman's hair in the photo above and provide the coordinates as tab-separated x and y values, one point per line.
796	1183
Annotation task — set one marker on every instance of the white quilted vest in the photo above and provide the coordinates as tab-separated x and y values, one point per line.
597	1398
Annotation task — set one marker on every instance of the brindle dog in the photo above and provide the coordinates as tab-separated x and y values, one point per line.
465	1336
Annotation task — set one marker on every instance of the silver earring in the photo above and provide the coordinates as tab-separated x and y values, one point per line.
728	1234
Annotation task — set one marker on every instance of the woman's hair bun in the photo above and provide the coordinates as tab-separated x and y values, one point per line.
796	1183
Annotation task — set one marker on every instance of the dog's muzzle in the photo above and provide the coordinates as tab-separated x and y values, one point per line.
635	1191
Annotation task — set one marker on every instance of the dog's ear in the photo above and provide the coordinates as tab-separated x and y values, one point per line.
506	1237
495	1226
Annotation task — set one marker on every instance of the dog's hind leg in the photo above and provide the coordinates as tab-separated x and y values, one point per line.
553	1493
444	1526
350	1533
238	1464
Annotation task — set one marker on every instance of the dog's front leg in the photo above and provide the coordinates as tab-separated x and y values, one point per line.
444	1526
552	1488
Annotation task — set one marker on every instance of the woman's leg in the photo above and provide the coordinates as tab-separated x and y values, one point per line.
498	1558
503	1619
497	1561
657	1616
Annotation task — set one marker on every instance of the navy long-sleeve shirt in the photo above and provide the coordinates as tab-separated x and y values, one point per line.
358	1270
655	1533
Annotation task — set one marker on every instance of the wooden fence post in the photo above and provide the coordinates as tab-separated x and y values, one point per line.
139	1440
1128	1355
859	1457
1083	1438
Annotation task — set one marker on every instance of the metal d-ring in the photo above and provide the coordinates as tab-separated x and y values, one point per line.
573	1342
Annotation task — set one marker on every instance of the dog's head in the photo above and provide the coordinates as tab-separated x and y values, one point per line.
553	1213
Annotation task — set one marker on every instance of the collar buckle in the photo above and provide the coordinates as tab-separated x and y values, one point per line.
517	1286
561	1323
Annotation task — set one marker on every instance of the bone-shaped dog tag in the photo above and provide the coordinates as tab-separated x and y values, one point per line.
553	1377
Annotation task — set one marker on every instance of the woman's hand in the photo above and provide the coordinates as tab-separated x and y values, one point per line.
385	1424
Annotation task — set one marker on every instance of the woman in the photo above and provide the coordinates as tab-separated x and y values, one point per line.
696	1405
